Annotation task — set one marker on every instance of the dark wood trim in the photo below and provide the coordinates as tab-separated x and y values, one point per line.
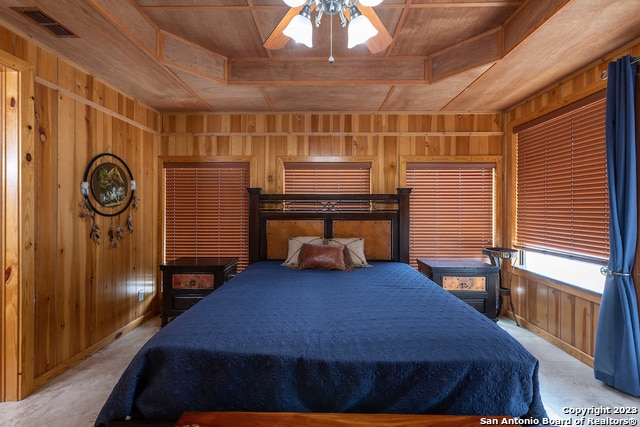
254	224
403	224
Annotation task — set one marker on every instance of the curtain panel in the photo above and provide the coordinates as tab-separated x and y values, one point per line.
617	346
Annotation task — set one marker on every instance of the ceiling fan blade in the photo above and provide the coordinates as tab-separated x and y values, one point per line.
277	40
383	39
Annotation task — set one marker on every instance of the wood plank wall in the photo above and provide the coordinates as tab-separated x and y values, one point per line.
564	315
386	137
84	295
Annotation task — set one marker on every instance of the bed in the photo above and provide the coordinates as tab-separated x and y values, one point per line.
378	338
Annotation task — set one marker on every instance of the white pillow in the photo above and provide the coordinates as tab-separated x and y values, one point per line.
295	243
355	246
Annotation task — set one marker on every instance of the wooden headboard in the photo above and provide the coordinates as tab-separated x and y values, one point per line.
381	219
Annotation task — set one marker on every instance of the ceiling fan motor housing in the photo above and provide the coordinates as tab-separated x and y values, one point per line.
331	7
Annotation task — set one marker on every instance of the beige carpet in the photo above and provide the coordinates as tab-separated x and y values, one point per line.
74	398
567	384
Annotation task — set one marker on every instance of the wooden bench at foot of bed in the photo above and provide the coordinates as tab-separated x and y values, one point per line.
289	419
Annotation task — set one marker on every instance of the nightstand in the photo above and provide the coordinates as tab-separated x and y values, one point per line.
185	281
472	280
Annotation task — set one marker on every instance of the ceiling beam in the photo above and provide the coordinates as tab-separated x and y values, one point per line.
481	50
527	19
180	53
319	72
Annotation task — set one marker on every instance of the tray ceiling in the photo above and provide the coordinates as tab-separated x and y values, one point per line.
208	55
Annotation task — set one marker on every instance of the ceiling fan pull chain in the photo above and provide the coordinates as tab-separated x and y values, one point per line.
331	41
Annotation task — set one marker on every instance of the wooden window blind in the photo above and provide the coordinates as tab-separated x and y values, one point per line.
206	210
562	196
327	178
451	208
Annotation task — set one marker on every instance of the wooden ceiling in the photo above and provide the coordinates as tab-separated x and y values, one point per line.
445	55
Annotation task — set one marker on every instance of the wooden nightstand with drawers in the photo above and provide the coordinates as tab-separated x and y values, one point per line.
185	281
472	280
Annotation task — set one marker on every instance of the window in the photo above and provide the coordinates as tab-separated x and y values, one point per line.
206	210
327	178
451	208
562	197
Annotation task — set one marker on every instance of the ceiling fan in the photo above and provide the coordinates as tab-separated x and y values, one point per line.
364	24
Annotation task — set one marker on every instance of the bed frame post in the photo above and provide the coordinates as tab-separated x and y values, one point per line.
403	223
254	224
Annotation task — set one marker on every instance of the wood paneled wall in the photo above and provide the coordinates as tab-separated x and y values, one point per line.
387	140
81	295
565	315
386	137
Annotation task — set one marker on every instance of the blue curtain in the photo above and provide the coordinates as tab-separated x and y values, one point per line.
617	347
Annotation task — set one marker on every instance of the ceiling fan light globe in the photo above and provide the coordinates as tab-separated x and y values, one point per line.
300	30
360	30
294	3
370	3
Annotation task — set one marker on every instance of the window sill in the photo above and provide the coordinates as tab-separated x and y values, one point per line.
571	272
584	292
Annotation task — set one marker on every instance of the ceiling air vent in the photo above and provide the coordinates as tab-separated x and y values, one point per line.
45	21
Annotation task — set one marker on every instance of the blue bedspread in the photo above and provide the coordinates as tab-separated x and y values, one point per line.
373	340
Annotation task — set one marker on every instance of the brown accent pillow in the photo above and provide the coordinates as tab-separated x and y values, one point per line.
324	257
356	249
